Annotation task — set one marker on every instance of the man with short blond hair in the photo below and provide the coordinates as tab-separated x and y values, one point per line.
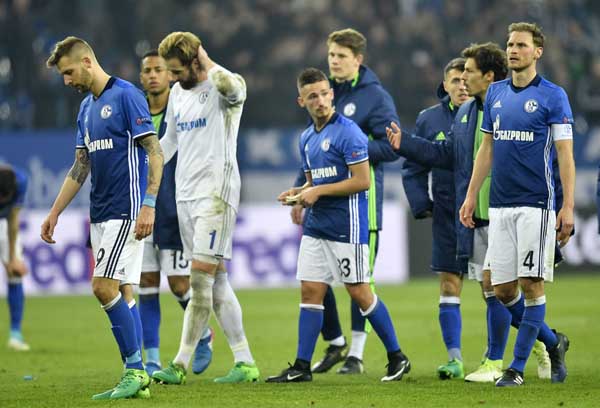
117	143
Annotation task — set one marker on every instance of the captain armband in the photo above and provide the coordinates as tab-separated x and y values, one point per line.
561	131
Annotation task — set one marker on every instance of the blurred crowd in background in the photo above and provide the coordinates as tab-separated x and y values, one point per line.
270	41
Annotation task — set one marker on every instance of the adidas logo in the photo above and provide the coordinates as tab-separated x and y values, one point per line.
464	119
497	105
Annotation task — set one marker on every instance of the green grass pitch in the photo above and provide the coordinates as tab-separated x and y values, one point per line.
74	355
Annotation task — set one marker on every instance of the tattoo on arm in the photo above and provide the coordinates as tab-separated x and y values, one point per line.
152	147
81	167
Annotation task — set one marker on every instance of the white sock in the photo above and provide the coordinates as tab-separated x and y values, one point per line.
229	315
357	347
338	341
196	315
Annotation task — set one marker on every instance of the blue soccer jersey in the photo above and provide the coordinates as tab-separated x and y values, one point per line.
326	154
108	127
524	123
19	198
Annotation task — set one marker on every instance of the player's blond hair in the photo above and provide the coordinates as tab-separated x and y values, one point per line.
181	45
68	47
533	28
349	38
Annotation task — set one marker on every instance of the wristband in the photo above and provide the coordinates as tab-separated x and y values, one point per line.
149	200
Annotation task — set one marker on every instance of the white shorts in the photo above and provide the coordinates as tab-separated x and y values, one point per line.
479	261
522	241
4	250
320	260
170	262
117	253
206	228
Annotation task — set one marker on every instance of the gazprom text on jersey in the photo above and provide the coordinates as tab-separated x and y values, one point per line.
191	125
516	135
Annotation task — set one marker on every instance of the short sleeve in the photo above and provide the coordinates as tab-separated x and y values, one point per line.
302	151
137	112
80	139
22	181
355	145
487	124
559	109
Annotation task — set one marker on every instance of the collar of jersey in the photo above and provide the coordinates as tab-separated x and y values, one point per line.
331	120
109	85
534	82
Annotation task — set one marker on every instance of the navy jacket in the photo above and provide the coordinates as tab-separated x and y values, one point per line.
433	124
166	225
370	106
456	153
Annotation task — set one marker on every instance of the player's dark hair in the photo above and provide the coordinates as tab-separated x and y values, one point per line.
151	53
310	76
8	184
456	63
349	38
489	57
533	28
66	47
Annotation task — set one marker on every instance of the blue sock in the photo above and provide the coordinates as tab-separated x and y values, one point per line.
16	304
517	308
451	325
498	324
533	318
137	322
123	328
381	321
331	321
358	320
150	316
309	326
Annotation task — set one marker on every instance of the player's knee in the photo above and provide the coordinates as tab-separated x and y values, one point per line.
532	287
450	284
104	290
149	280
506	292
204	266
179	285
312	292
361	293
202	289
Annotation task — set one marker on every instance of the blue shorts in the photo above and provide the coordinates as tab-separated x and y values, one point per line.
443	254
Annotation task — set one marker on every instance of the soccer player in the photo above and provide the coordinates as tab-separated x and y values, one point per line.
334	244
523	117
163	248
203	118
434	124
115	138
484	64
13	185
359	96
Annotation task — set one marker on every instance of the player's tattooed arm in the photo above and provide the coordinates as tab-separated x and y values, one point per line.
155	162
81	167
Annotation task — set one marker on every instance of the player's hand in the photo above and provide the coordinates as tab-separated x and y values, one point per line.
297	214
309	196
205	62
16	268
564	225
48	228
144	223
283	197
394	135
466	212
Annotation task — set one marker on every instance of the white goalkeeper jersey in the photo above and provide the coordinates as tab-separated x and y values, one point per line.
202	127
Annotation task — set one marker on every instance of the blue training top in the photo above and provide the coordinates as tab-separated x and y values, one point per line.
19	198
520	121
108	127
326	154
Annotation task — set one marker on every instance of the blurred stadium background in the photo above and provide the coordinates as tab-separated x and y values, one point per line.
269	42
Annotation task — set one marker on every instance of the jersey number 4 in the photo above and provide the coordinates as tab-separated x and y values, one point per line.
528	262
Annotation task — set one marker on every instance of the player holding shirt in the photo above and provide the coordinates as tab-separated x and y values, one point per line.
115	138
334	244
203	119
163	249
523	117
13	185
